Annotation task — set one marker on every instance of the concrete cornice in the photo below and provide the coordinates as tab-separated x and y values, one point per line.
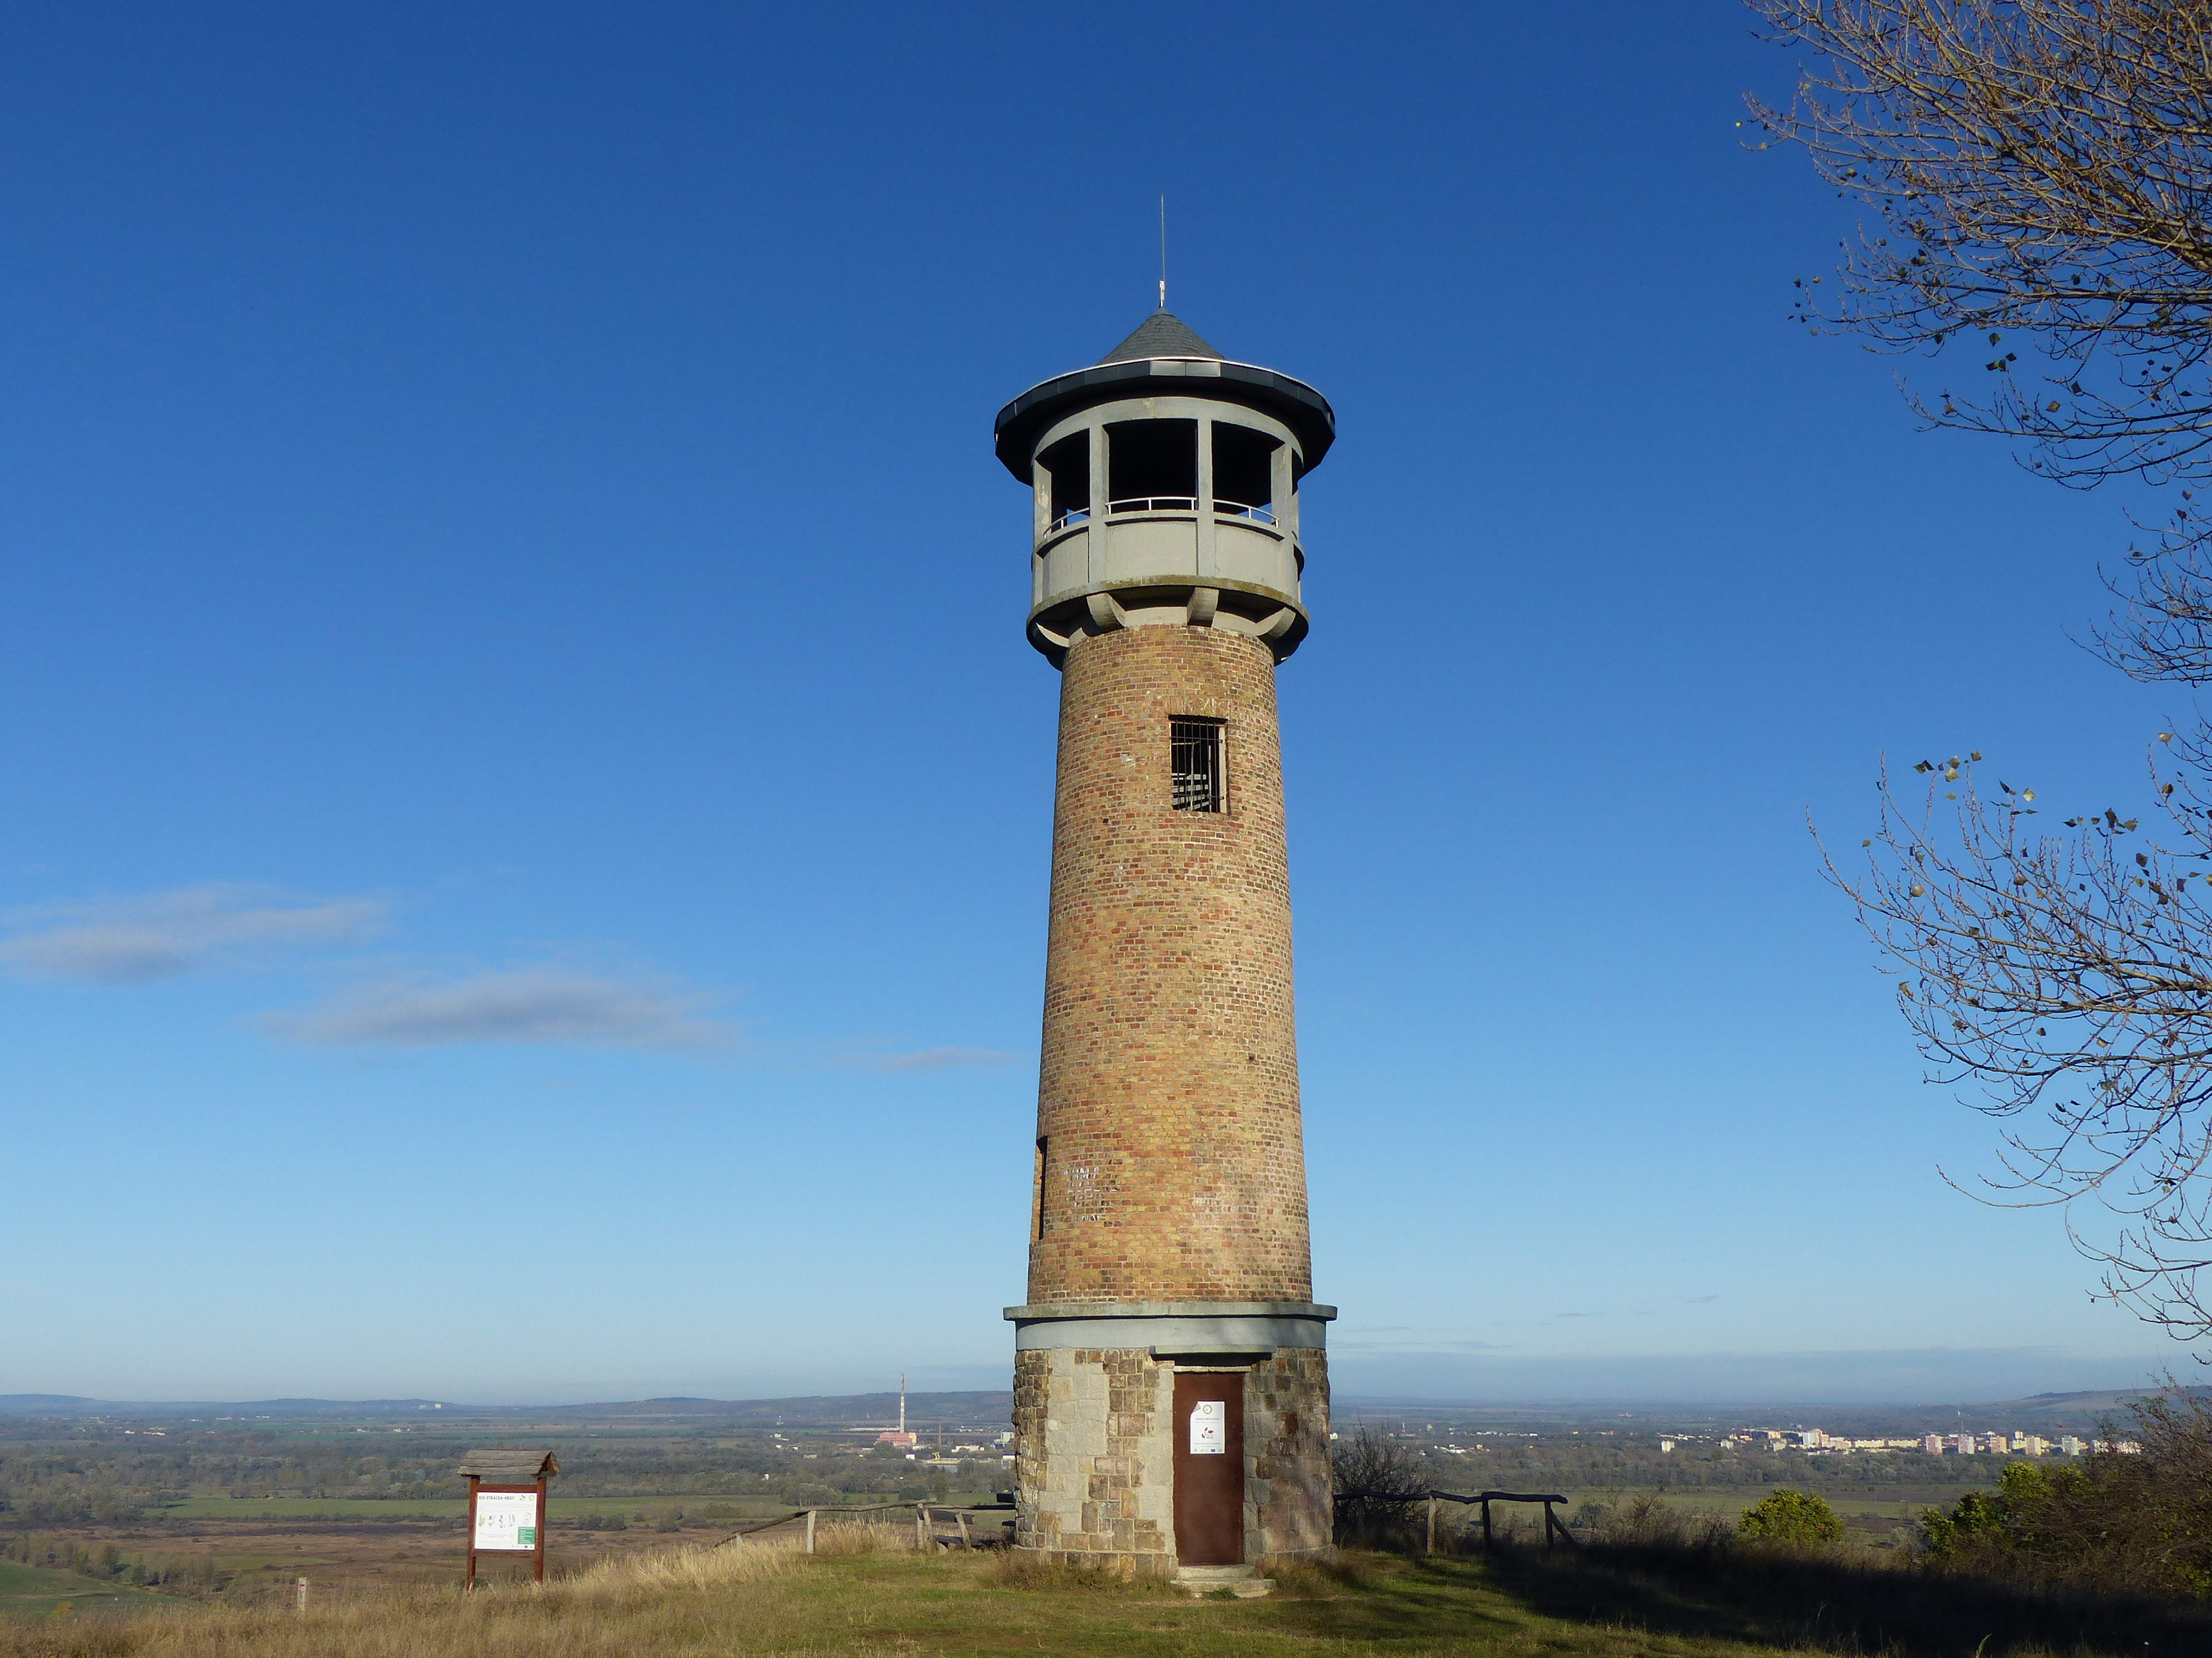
1061	1309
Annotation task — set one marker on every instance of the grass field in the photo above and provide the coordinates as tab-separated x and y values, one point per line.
874	1598
571	1509
650	1510
256	1549
1902	1503
34	1592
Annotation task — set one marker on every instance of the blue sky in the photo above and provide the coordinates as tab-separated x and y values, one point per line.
527	805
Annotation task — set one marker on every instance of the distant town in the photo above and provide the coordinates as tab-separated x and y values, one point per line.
1815	1443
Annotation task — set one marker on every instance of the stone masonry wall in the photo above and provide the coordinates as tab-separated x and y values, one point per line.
1094	1463
1290	1496
1095	1457
1173	1167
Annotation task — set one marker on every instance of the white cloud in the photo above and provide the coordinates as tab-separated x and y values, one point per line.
537	1005
933	1059
161	935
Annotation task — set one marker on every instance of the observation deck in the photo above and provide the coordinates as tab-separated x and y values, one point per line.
1166	489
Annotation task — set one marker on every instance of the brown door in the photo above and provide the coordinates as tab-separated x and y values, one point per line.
1209	1467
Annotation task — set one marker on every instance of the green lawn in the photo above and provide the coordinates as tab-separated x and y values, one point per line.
35	1591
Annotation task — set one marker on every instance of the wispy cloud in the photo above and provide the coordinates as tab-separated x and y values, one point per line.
539	1006
933	1059
163	935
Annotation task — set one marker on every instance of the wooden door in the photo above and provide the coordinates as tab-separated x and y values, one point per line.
1209	1467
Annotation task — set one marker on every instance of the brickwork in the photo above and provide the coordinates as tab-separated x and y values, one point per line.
1173	1167
1094	1454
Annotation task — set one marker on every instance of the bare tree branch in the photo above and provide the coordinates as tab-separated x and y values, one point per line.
2039	175
2069	974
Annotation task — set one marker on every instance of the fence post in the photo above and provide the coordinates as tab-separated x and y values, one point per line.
1433	1522
960	1518
1489	1545
811	1513
921	1529
1551	1524
300	1597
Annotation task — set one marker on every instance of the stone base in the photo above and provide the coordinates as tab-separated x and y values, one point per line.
1094	1440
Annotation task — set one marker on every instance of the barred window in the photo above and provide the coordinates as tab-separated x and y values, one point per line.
1200	779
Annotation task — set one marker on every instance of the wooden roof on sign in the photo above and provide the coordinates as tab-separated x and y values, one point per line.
508	1468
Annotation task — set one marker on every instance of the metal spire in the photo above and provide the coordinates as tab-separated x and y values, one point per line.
1163	252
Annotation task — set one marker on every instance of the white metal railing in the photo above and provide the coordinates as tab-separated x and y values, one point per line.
1238	509
1235	509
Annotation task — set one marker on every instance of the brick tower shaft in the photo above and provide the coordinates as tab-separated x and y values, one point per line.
1169	1165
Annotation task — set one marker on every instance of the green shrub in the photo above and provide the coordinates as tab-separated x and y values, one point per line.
2139	1521
1795	1519
2012	1518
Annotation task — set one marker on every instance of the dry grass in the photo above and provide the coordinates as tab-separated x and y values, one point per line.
641	1604
869	1592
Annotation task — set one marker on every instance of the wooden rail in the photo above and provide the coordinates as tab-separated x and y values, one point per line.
925	1522
924	1532
1555	1529
809	1515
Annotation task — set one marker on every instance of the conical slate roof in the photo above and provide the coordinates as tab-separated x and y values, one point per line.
1160	335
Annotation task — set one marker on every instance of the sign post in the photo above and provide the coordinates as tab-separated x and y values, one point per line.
506	1505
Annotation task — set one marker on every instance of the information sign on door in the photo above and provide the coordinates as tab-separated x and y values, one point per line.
1209	1467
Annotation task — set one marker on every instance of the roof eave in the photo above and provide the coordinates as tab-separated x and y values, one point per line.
1304	409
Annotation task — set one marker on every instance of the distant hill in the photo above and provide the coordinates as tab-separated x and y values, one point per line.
73	1405
968	1409
2099	1401
2056	1412
973	1409
2051	1413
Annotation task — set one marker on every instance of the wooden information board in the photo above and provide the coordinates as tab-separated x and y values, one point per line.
507	1515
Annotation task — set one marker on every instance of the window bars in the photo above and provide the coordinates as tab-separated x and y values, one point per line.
1200	777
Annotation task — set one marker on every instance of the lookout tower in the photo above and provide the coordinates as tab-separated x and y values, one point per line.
1171	1385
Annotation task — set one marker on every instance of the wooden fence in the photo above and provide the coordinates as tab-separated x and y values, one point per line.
1555	1529
938	1525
